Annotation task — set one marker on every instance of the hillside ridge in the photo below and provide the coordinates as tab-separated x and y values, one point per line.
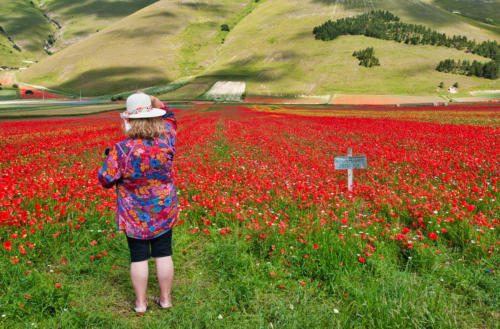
271	48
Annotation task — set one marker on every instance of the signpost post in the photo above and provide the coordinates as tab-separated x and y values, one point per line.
350	162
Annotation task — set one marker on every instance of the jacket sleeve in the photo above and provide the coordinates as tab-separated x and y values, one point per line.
110	172
169	118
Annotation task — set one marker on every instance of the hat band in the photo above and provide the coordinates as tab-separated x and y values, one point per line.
140	110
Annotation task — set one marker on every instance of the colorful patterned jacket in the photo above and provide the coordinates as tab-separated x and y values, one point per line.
141	170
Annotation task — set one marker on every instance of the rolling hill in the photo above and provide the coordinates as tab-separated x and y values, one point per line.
40	27
270	46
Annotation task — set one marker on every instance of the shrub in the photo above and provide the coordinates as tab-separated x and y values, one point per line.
366	57
224	27
15	86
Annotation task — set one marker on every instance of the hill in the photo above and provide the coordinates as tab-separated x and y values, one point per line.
270	46
41	27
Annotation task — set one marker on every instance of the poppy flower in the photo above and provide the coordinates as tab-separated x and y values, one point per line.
7	245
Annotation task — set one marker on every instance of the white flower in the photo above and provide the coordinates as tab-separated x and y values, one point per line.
291	306
4	315
219	317
335	311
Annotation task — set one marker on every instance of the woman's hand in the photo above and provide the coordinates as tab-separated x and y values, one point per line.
156	102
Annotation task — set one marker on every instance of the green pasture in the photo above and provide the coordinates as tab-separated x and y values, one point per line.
40	110
483	11
7	94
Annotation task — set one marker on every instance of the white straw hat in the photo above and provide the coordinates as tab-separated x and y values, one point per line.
139	106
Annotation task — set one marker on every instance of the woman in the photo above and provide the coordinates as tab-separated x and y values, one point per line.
141	169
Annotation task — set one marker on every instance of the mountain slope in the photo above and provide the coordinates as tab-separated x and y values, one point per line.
26	26
38	27
157	44
80	19
282	56
270	47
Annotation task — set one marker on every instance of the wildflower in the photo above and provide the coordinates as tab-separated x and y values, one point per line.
7	245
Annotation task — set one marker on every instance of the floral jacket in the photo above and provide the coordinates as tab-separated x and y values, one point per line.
141	170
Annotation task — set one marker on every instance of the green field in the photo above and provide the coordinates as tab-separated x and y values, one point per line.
483	10
270	47
6	94
50	110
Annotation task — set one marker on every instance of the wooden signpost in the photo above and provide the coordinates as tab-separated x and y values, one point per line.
349	162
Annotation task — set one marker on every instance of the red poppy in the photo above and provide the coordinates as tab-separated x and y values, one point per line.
433	236
7	245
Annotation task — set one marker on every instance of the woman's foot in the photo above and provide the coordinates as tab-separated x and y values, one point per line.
163	305
141	309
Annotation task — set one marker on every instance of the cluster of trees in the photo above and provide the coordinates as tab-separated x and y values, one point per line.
487	70
370	24
366	57
387	26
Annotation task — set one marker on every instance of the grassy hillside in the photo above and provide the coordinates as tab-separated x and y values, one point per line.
160	43
487	11
27	28
9	56
270	47
31	23
79	19
282	56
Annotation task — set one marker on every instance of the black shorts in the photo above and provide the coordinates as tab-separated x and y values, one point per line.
141	250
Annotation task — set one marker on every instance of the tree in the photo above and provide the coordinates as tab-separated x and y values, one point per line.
224	27
441	84
455	85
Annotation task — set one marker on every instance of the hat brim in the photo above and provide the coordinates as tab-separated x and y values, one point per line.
154	112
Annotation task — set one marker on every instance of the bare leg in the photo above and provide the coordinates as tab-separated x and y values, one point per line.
139	276
165	274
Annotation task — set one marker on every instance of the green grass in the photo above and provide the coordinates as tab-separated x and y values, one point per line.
50	110
26	25
6	94
484	11
9	56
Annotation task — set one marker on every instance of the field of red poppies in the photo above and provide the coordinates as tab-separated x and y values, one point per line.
268	235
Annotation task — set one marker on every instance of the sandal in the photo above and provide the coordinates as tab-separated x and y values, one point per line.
163	307
141	312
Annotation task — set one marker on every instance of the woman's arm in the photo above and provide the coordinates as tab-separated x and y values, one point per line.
109	173
169	117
